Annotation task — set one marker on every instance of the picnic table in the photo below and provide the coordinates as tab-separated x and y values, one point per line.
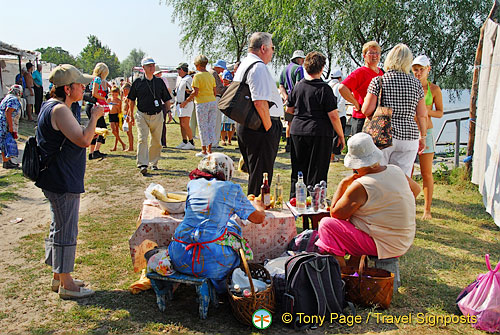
154	228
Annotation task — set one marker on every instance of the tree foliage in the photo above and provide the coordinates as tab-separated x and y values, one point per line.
445	30
216	28
132	60
93	53
56	55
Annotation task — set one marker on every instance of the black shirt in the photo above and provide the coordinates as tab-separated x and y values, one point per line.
146	92
313	100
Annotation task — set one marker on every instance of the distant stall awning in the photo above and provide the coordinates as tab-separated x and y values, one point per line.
7	49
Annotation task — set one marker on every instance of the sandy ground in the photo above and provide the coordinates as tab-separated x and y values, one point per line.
29	214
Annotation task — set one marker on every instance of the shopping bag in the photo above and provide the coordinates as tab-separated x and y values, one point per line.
482	299
10	146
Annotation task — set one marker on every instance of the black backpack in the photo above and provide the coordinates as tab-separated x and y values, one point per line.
313	287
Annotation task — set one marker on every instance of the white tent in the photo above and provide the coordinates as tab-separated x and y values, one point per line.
486	160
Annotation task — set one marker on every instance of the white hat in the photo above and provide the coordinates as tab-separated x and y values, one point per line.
147	61
421	60
298	54
361	152
336	74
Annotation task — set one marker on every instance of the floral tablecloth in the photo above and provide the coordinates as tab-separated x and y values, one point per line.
268	240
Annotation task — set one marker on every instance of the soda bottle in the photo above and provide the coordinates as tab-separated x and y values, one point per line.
322	200
316	197
300	193
265	192
278	193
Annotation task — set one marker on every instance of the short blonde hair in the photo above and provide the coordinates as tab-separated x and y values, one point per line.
101	70
201	60
371	44
399	59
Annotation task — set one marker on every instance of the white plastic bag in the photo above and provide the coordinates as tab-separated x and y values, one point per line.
125	125
240	278
152	187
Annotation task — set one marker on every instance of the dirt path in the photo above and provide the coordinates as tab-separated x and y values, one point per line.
34	210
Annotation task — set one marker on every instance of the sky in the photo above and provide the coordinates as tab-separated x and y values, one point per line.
120	24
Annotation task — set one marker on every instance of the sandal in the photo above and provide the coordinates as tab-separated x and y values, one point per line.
56	283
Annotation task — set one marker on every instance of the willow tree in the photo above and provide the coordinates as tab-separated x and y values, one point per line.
217	28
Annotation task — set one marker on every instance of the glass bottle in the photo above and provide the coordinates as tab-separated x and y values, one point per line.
278	193
265	192
300	193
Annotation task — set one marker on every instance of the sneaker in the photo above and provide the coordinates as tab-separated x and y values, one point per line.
9	165
144	170
200	154
182	145
217	146
91	156
188	146
154	168
82	293
98	154
56	283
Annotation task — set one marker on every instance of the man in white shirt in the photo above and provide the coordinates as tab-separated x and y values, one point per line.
260	147
182	90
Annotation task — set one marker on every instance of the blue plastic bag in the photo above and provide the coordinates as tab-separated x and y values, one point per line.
10	146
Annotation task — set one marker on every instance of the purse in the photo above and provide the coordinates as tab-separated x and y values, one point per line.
236	103
379	126
368	286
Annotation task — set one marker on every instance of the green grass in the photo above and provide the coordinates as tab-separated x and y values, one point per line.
447	254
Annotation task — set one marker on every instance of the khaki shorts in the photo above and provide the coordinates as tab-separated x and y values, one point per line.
30	99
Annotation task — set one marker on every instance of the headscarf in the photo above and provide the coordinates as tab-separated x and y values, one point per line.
16	90
215	165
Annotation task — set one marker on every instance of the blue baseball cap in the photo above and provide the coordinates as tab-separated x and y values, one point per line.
220	63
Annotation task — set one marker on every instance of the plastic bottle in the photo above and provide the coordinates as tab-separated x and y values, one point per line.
301	193
316	197
322	200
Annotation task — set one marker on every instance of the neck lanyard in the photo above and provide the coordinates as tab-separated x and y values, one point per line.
152	91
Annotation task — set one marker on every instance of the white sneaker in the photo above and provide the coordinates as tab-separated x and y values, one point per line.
200	154
188	146
181	145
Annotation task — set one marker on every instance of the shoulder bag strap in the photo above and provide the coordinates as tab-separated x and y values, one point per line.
244	79
52	157
379	104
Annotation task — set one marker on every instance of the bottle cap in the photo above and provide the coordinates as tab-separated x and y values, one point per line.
236	287
247	293
300	174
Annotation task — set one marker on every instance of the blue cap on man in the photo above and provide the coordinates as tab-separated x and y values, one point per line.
220	63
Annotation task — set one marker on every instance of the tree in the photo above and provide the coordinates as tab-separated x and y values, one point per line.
95	53
133	59
56	55
217	28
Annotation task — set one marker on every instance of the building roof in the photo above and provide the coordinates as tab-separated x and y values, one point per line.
7	49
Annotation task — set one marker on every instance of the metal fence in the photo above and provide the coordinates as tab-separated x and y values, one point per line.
457	122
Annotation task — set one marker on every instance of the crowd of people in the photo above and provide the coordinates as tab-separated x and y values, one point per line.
362	220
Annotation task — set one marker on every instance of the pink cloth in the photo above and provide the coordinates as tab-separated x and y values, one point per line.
340	237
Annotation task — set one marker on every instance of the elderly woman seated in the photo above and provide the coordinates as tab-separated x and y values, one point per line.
206	241
373	210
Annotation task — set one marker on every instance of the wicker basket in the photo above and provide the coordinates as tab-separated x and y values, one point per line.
370	287
244	307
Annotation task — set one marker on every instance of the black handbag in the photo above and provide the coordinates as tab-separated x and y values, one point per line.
236	103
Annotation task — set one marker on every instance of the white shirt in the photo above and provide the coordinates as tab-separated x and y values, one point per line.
181	85
334	84
261	83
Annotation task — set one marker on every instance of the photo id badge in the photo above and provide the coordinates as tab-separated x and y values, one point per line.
157	104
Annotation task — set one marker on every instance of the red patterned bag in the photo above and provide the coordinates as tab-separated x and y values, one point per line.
379	125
